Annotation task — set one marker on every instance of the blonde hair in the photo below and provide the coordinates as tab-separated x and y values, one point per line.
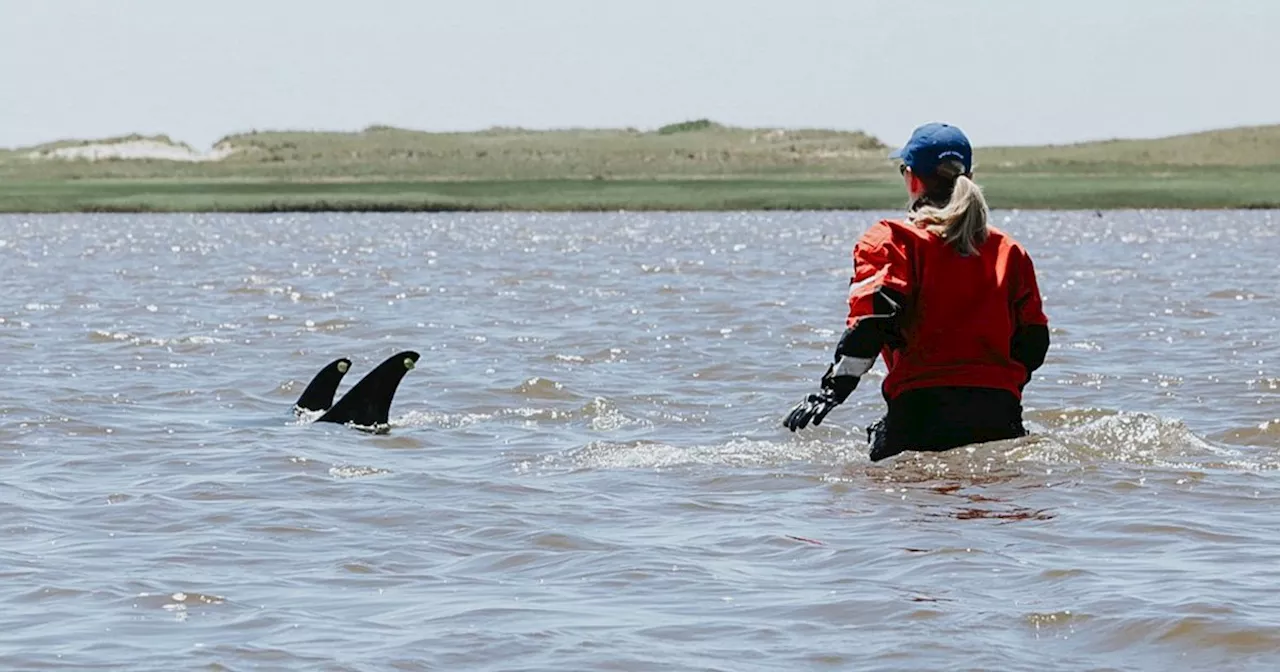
962	222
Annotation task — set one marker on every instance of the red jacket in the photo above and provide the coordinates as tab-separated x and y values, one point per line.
961	313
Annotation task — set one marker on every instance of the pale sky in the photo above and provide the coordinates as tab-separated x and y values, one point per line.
1007	71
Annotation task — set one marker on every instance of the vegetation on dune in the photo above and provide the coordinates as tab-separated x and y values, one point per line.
688	126
691	148
1234	147
385	152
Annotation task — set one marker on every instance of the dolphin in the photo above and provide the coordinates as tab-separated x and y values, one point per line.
319	393
368	403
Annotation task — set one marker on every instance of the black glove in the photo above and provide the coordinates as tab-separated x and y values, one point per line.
816	406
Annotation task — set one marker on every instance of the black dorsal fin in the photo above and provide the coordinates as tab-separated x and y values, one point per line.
368	403
319	393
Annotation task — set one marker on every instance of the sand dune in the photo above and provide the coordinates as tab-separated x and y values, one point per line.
131	149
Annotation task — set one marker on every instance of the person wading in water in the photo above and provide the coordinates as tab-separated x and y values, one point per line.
949	301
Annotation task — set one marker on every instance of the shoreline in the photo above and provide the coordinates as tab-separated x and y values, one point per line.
697	165
1214	190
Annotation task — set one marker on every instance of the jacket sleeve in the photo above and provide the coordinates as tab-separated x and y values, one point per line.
1030	341
879	295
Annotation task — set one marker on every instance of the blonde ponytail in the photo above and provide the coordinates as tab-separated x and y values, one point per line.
962	222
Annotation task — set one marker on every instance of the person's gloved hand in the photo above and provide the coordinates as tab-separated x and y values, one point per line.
815	407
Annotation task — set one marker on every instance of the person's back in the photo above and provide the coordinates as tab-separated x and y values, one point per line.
952	305
958	329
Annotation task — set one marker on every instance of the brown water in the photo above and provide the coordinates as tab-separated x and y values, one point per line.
587	468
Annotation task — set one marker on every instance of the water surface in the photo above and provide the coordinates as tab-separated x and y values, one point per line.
587	469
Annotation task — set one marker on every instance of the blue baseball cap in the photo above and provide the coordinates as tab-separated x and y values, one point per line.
931	144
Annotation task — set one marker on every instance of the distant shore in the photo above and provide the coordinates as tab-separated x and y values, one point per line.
1219	191
695	165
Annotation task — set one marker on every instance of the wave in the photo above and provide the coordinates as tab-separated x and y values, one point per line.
598	414
1063	437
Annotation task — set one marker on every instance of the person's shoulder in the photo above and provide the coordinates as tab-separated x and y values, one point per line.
1005	241
892	231
1009	251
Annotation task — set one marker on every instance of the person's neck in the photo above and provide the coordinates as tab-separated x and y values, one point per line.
931	200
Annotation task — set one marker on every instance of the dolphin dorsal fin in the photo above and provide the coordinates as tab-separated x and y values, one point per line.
368	403
320	391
